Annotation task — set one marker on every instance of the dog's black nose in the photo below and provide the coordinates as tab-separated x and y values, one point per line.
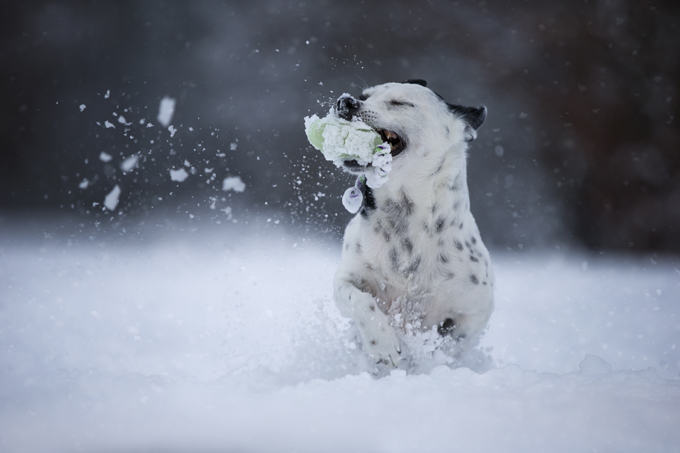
346	107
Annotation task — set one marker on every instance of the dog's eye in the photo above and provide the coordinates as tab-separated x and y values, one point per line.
401	103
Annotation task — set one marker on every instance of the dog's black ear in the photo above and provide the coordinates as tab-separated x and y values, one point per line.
420	82
473	116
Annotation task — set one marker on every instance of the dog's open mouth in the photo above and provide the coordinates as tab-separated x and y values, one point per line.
395	142
397	145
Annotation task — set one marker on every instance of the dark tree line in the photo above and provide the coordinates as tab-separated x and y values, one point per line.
581	143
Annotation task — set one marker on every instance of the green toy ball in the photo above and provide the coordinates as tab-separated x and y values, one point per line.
340	140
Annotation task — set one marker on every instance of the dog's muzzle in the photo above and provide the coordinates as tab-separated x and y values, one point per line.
347	107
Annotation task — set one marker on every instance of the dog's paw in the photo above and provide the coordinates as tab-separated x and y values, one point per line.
384	347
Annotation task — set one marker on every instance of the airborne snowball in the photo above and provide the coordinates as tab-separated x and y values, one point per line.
105	157
233	183
111	200
179	175
129	163
165	111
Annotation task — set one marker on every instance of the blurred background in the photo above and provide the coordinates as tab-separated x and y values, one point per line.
581	146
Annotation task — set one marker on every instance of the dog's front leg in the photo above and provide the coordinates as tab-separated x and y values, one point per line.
380	339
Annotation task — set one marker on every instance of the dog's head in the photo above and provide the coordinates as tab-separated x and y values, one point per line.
413	119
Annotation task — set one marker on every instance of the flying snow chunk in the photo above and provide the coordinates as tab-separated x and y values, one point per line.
82	107
109	125
179	175
111	200
129	163
121	119
233	183
172	130
84	184
105	157
166	111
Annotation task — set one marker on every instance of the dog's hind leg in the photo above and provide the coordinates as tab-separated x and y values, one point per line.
380	339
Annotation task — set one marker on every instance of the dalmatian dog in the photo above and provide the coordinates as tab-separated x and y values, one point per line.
412	257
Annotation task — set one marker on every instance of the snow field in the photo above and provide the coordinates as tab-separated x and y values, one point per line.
228	340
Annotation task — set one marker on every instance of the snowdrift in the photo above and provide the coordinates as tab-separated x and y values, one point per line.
228	340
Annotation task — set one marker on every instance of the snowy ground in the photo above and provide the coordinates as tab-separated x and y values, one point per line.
229	341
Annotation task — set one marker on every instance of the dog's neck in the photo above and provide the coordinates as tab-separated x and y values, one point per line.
434	186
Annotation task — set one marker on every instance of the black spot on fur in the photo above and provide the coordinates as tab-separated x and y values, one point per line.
373	342
407	244
458	244
473	279
450	275
460	227
386	236
413	267
446	327
358	248
473	239
439	225
371	307
408	204
443	258
394	258
473	259
398	213
441	164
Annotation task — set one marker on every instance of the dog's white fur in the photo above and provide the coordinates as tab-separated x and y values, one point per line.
416	261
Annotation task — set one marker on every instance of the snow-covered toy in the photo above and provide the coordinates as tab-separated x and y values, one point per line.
340	140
